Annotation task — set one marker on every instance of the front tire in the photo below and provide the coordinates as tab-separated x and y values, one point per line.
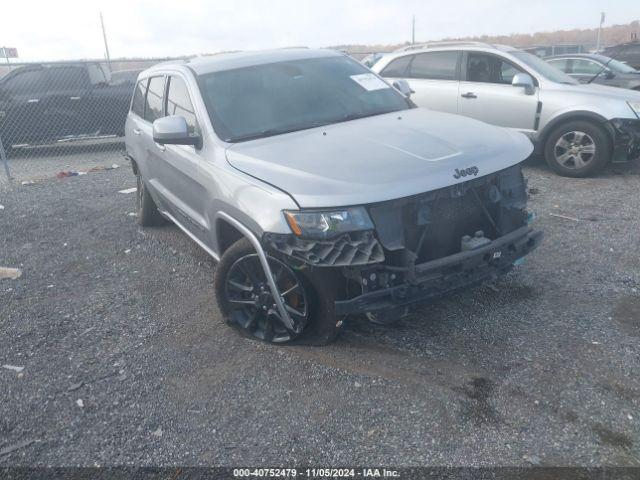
577	149
148	213
246	303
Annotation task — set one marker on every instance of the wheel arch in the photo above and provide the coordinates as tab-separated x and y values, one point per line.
226	235
134	164
583	115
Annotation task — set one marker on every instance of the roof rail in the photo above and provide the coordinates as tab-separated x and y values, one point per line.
460	43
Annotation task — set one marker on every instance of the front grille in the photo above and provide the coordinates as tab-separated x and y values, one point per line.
450	220
431	225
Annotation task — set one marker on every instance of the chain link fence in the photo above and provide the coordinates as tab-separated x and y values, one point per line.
62	118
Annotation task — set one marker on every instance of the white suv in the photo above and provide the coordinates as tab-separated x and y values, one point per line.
579	128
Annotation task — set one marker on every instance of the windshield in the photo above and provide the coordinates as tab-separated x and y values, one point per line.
620	67
265	100
543	68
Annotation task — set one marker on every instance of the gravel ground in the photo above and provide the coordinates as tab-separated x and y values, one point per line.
38	163
126	359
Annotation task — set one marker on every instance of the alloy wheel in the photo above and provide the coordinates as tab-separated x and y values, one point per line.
574	150
252	306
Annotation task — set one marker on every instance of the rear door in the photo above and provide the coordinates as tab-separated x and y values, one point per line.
153	170
21	119
135	144
433	76
67	101
486	93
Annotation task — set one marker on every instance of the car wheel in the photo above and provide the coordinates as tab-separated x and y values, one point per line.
148	214
246	303
577	149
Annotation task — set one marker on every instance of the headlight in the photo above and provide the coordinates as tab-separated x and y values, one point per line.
321	225
635	106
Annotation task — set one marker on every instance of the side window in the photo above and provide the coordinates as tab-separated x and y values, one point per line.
179	102
29	81
153	103
561	64
67	78
435	65
586	67
490	69
137	104
397	67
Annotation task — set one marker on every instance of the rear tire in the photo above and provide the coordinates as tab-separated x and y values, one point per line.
148	213
577	149
241	300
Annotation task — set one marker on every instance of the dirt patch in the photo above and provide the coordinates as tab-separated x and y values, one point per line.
612	438
477	407
627	314
366	356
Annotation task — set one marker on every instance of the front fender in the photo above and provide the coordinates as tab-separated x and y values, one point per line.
567	116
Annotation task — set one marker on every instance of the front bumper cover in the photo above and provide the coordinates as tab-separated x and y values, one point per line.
626	139
444	275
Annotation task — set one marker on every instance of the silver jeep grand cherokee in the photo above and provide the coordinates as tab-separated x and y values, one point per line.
322	190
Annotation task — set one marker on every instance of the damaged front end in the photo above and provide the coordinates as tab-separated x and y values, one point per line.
417	248
626	139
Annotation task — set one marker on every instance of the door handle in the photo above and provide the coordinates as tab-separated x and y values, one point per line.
137	131
469	95
33	100
74	98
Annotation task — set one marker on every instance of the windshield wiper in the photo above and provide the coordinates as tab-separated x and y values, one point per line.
356	116
270	132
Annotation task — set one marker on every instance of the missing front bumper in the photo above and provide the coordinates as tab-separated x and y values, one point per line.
626	144
444	275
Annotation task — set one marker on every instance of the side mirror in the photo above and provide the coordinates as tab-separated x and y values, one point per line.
608	74
403	87
524	80
173	130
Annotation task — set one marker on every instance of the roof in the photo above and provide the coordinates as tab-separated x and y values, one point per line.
457	45
592	56
229	61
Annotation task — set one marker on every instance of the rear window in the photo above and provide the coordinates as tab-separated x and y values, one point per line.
67	78
153	105
397	67
435	65
24	82
137	104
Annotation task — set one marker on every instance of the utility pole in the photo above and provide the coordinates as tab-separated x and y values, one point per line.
599	30
106	45
413	30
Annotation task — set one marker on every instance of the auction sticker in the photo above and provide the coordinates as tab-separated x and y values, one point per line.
369	82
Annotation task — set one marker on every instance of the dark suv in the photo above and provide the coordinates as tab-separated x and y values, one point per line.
44	103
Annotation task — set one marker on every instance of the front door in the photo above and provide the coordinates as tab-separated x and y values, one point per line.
487	94
66	102
182	176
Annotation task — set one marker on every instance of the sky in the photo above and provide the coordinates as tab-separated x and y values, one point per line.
70	29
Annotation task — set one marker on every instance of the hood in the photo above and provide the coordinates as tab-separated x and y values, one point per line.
603	91
379	158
